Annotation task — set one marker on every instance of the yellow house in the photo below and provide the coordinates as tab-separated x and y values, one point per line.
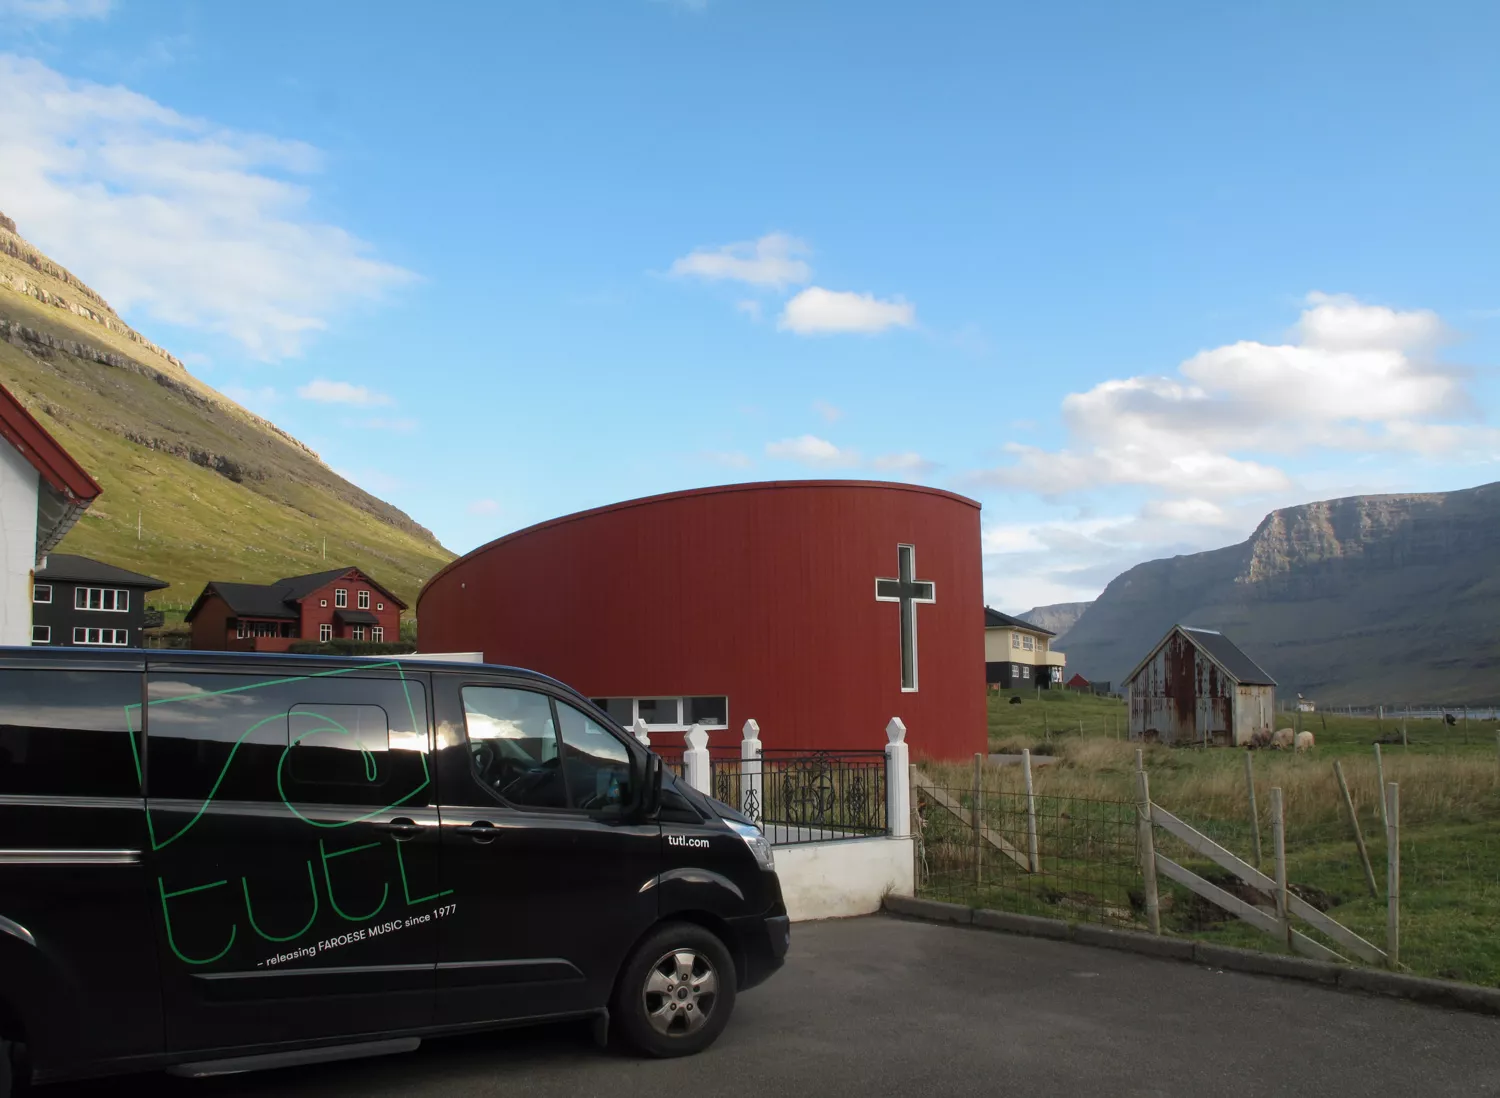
1019	655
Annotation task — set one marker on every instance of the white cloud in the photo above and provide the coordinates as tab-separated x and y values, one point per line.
773	261
55	11
730	459
253	399
908	462
342	392
1361	380
187	222
483	507
829	412
818	311
811	450
749	307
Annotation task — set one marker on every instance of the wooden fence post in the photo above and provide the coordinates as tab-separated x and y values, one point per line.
1254	815
1032	851
1403	727
1148	850
978	817
1359	837
1380	785
1393	874
1278	844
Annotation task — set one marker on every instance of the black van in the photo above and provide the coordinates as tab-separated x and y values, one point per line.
216	862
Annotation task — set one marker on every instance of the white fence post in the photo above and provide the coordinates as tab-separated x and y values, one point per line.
638	729
897	780
695	766
752	793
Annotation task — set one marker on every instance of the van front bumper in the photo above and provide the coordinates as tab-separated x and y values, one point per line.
765	940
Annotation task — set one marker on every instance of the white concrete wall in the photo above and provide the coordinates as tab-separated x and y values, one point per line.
848	877
18	492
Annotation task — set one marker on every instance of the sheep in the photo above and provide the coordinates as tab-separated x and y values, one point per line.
1261	737
1282	741
1304	741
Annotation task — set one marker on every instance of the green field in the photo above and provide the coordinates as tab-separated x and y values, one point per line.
1450	841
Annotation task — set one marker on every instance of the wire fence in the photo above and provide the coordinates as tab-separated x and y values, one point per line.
1079	859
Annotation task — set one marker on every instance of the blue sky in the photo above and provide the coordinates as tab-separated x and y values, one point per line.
1131	275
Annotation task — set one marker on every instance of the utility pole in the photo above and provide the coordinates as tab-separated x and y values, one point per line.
137	524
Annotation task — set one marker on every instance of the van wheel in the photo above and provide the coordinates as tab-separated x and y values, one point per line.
676	992
8	1070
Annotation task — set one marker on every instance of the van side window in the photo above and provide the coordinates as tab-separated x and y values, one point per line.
318	739
597	764
514	745
69	733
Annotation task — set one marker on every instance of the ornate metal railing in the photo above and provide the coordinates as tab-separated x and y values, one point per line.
820	796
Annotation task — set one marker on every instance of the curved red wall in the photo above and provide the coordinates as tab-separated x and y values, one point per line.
762	592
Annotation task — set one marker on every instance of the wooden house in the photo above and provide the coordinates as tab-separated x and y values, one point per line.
1197	687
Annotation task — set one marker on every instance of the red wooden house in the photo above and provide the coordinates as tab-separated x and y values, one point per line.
339	604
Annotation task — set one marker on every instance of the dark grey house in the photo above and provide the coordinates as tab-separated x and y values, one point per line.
87	603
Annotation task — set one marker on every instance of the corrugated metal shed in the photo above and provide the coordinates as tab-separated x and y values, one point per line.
1196	686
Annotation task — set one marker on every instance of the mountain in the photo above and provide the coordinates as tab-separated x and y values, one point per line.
219	492
1057	618
1369	599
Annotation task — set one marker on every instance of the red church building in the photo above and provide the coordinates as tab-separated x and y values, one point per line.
821	609
339	604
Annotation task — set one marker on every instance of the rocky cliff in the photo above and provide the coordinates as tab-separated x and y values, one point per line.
1367	599
1057	618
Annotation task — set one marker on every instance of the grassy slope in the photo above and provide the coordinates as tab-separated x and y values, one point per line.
1450	799
197	524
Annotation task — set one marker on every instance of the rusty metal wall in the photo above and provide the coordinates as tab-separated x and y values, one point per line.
1182	697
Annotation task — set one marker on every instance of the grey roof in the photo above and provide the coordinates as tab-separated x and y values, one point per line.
296	587
1219	648
993	619
253	600
1227	655
356	617
70	568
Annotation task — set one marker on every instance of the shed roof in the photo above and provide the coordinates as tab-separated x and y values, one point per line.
71	568
66	489
994	619
1217	647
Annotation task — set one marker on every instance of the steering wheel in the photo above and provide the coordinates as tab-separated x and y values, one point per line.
484	756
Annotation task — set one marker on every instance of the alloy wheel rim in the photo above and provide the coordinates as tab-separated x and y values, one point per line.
680	991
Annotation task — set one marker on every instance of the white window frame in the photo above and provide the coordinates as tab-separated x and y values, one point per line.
36	594
241	630
678	725
323	603
1015	640
116	638
380	606
120	596
341	598
377	634
1028	642
362	600
41	634
325	633
357	633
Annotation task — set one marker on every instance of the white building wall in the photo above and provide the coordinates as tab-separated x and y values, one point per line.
19	484
847	877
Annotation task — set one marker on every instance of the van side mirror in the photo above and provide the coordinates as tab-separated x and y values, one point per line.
650	799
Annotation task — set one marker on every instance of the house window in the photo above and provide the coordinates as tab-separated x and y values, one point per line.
323	602
1028	642
710	711
1015	640
113	599
380	606
117	638
340	597
325	632
242	630
1026	671
362	600
358	632
377	634
41	634
41	593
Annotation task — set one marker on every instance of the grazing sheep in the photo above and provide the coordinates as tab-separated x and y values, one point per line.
1282	741
1304	741
1261	737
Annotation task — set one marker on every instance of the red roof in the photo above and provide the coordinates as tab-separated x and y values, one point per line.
57	468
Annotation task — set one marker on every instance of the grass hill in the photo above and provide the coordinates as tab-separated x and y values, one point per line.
220	492
1363	600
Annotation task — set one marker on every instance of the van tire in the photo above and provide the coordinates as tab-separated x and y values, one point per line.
9	1084
676	993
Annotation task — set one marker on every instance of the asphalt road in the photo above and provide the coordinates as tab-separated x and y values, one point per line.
879	1006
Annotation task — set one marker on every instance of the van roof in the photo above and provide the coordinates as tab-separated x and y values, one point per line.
136	657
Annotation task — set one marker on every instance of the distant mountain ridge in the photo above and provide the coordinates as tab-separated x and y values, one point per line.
1366	599
196	487
1057	618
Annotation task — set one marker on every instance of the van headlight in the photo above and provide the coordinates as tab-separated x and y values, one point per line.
759	845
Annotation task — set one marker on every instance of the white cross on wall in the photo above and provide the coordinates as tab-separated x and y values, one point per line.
908	592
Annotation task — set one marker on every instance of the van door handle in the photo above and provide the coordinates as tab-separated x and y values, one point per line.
481	831
401	829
